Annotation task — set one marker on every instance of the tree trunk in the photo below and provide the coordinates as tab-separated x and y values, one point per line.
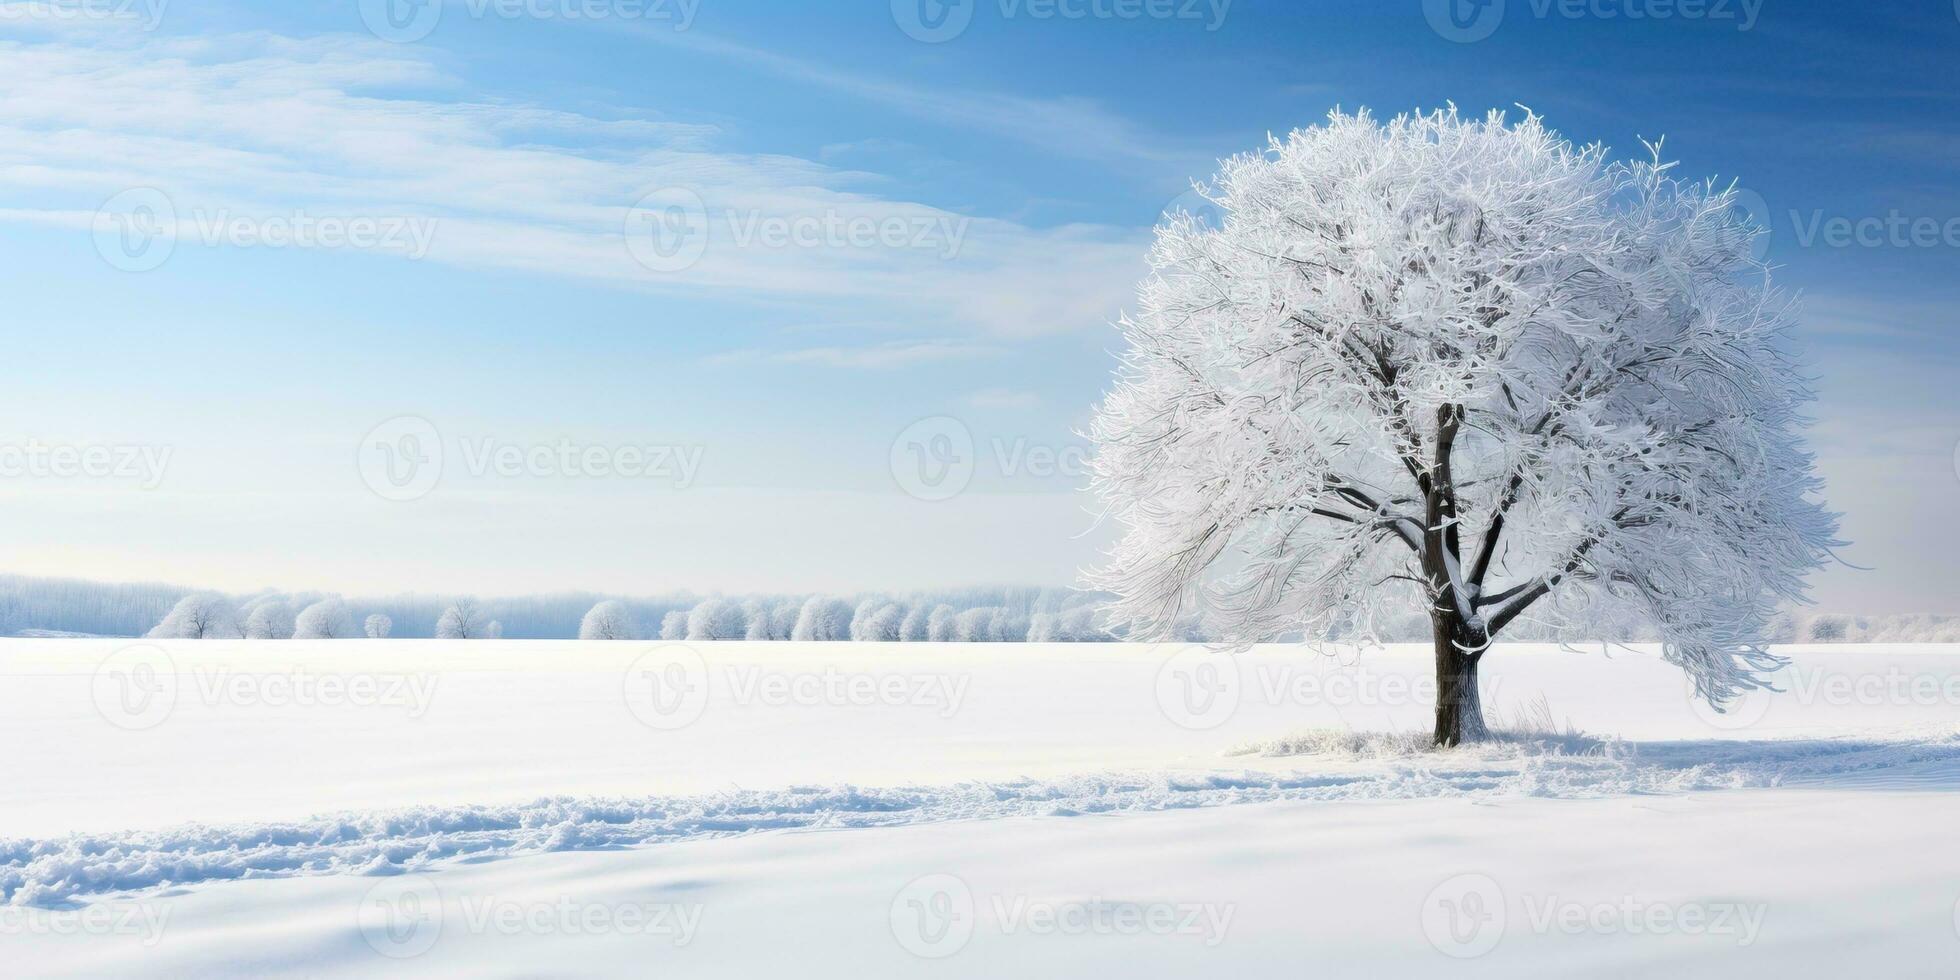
1459	708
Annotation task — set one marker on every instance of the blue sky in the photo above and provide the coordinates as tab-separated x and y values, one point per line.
1019	163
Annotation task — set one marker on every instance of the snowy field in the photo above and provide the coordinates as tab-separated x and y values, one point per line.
555	809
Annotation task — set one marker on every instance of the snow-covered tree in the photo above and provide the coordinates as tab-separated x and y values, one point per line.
716	619
940	624
755	613
823	618
327	619
463	620
1078	625
914	627
976	625
271	619
379	626
493	630
609	620
876	621
199	616
782	621
1468	364
673	626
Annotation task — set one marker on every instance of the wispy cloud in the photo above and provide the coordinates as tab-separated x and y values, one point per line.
263	124
1072	127
894	354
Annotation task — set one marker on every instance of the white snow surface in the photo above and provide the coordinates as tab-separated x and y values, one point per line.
517	768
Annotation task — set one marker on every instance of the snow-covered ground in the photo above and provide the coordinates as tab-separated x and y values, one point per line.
532	808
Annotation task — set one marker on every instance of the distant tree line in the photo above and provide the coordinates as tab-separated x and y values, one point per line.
50	606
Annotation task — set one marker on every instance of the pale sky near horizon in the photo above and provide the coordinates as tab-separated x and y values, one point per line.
437	272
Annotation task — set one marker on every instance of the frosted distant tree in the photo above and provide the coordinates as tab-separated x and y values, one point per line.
493	630
609	620
716	619
1469	364
976	625
463	620
940	624
823	618
1010	626
914	628
755	613
379	626
876	621
270	620
673	626
782	621
1078	625
327	619
199	616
